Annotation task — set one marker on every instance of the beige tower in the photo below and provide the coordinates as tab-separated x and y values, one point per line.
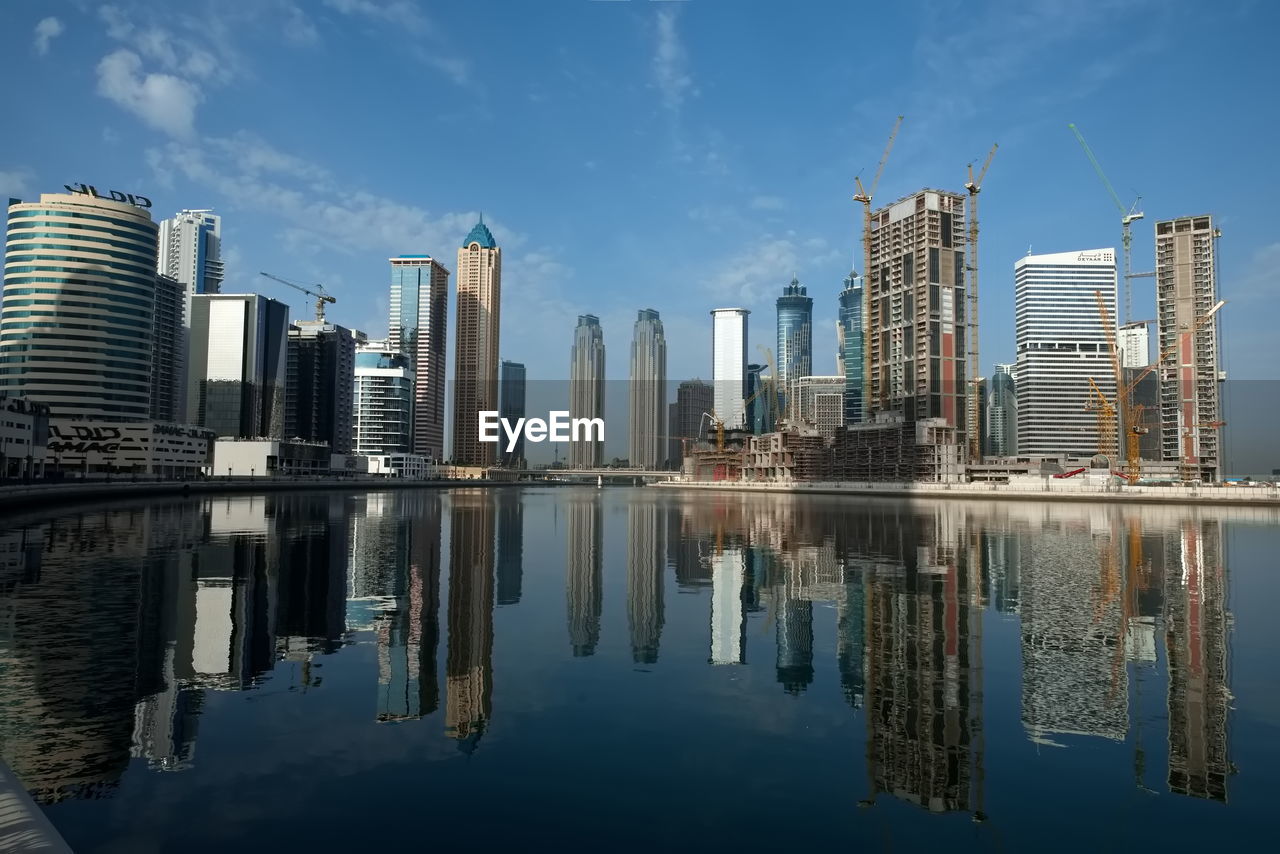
475	387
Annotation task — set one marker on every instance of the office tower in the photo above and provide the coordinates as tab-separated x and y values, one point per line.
320	384
236	373
728	619
1061	347
648	391
418	327
584	584
1186	291
1135	346
191	251
510	543
586	387
759	414
795	338
89	299
729	365
511	397
383	405
475	387
469	666
851	356
915	302
168	352
1002	414
693	401
645	564
819	403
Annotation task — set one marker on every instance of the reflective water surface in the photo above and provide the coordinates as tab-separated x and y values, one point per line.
636	668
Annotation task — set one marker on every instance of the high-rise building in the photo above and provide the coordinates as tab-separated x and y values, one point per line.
1002	414
648	392
760	412
819	403
383	407
511	399
586	387
1135	345
915	350
1061	347
852	353
418	327
168	352
795	338
79	293
729	365
1186	291
236	373
191	251
475	387
320	384
693	401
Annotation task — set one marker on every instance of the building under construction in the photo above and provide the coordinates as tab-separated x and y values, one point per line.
893	449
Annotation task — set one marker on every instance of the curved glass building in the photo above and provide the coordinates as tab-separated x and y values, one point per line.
79	292
795	338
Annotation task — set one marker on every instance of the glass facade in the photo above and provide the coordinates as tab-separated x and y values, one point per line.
383	401
795	338
511	396
417	327
851	348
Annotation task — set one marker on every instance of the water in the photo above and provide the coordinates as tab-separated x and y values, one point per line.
639	668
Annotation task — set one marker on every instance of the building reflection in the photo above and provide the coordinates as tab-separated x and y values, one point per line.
645	562
584	586
510	546
469	664
728	617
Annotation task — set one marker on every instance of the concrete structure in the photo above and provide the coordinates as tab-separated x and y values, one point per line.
236	374
97	448
398	466
795	340
270	458
1134	343
586	387
915	300
1001	421
1061	347
729	365
418	327
169	352
382	421
320	384
1186	290
511	403
24	432
819	403
79	292
648	392
693	399
850	359
475	387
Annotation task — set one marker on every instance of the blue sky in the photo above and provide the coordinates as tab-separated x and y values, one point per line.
674	155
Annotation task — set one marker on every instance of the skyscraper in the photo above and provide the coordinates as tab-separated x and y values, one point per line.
795	338
693	400
1134	341
418	327
236	374
191	251
1002	414
320	384
586	387
168	352
852	352
648	392
89	299
511	397
1061	347
1186	290
383	407
729	364
475	387
916	308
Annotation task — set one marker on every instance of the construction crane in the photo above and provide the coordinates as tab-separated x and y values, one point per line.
865	196
972	405
320	294
1127	217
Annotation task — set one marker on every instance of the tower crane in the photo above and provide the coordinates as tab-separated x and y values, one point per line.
1127	217
320	294
972	405
865	196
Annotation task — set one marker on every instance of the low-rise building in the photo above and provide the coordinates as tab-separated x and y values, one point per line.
270	458
24	430
95	448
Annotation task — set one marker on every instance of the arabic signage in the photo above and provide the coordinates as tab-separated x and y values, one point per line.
111	195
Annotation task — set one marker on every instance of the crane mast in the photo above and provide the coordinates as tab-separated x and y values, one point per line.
973	430
865	196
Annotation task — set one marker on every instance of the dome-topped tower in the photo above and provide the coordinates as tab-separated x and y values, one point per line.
481	234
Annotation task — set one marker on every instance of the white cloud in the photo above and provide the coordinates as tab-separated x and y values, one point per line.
298	28
46	31
399	13
670	63
760	269
768	203
15	183
177	54
163	101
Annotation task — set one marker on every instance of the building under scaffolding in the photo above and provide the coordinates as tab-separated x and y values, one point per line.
892	449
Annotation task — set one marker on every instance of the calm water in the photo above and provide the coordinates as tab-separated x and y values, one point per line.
634	669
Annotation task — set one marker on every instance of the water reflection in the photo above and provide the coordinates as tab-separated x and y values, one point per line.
117	625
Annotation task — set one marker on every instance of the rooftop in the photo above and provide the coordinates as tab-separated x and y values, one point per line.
481	234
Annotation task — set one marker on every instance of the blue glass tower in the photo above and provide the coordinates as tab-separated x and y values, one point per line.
851	347
795	336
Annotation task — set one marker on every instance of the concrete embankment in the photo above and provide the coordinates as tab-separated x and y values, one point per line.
24	828
1237	496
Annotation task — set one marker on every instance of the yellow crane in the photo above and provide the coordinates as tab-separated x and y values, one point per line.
865	196
320	294
973	429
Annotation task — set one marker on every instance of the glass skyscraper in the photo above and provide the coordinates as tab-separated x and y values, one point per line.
729	364
511	396
795	338
418	326
851	347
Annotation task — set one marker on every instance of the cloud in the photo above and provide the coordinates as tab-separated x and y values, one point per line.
174	53
768	203
760	269
298	28
670	63
46	31
163	101
399	13
15	183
